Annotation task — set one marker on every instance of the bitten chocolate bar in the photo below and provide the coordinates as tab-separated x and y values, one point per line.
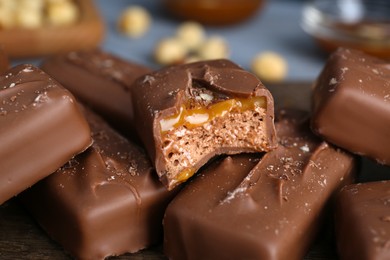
106	201
351	104
100	80
187	114
362	221
253	207
41	128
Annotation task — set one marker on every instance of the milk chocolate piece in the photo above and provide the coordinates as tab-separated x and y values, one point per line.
4	62
351	104
100	80
253	207
41	128
106	201
187	114
363	221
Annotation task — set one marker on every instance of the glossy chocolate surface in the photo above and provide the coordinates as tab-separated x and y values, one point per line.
363	221
100	80
106	201
351	104
4	62
41	128
161	94
258	207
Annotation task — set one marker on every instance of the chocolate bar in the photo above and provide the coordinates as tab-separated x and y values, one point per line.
106	201
251	206
100	80
41	128
4	62
351	104
187	114
362	221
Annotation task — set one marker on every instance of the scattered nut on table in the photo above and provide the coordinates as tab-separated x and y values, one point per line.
31	4
170	51
215	47
32	14
191	34
269	66
62	12
190	44
28	18
134	21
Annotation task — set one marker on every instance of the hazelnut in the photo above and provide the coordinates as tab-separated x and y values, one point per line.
169	51
62	12
28	18
134	21
191	34
269	66
197	119
36	5
9	5
215	47
7	18
168	124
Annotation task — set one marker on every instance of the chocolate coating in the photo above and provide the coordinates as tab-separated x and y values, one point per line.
253	207
162	94
41	128
106	201
363	221
4	62
351	104
100	80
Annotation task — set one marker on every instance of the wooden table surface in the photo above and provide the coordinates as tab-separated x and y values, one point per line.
22	238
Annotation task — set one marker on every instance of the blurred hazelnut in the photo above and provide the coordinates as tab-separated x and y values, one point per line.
134	21
27	18
170	51
56	1
191	34
214	47
269	66
192	58
62	13
9	5
36	5
7	18
7	13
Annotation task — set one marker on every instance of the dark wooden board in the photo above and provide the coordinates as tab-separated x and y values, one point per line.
88	32
22	238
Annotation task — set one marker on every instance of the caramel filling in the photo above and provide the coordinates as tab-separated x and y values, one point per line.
191	118
196	131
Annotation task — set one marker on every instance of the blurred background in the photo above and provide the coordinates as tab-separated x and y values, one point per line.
272	25
275	26
247	28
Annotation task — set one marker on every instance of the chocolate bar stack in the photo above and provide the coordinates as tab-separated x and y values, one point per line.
194	156
351	109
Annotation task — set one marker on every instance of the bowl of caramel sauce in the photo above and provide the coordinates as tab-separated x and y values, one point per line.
213	12
358	24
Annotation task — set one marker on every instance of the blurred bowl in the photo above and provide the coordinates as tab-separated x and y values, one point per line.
213	12
358	24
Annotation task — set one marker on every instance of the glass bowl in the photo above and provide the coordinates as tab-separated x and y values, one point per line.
358	24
